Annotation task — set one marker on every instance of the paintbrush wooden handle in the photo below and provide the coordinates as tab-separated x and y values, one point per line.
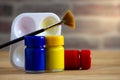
30	34
20	38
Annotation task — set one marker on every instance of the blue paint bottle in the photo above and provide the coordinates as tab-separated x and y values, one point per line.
35	54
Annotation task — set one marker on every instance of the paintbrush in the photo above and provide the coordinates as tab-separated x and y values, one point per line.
68	19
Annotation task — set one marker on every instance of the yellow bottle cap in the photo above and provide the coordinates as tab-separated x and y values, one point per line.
54	40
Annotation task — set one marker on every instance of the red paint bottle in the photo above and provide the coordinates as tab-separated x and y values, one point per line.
75	59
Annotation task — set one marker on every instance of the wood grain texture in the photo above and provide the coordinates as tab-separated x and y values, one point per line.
105	66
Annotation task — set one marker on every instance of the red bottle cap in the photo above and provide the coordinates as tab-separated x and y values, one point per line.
85	59
72	59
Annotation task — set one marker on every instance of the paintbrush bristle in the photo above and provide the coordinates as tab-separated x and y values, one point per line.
68	19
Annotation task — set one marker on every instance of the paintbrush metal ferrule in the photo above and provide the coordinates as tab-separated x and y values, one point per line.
57	24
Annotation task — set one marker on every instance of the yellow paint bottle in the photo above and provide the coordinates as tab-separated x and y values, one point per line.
54	53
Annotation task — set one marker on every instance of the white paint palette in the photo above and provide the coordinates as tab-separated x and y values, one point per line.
26	23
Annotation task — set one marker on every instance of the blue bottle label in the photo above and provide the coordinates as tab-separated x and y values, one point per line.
35	59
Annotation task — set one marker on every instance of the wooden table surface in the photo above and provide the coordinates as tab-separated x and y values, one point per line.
105	66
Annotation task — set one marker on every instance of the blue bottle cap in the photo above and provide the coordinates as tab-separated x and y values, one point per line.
34	41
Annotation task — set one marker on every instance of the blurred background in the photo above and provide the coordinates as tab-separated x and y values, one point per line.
97	21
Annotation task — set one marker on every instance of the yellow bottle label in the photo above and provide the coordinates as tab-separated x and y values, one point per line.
55	58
